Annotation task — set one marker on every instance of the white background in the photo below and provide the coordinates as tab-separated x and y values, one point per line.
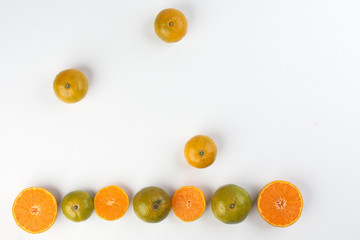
274	83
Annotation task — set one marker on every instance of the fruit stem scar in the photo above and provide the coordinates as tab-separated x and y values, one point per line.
171	24
67	85
232	206
201	153
75	207
155	206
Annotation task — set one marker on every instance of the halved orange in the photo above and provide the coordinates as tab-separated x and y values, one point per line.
35	210
280	203
111	203
189	203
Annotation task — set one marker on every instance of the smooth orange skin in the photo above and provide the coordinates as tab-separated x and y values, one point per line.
119	206
77	85
193	148
179	204
170	25
54	206
260	198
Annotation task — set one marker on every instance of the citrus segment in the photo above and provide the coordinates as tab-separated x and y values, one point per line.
35	210
111	203
280	203
189	203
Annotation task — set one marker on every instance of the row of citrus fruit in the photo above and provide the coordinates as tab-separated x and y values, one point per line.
279	203
35	209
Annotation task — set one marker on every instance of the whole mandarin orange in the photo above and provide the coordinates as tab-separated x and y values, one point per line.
200	151
70	86
171	25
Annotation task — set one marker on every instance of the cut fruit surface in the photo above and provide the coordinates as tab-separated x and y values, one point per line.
111	203
189	203
35	210
280	203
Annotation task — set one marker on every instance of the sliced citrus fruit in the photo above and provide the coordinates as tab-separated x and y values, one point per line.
170	25
200	151
35	210
111	203
189	203
280	203
70	86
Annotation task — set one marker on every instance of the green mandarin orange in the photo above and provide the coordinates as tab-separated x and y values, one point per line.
77	206
231	204
152	204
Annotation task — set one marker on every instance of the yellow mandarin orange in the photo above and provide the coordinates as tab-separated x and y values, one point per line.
170	25
200	151
70	86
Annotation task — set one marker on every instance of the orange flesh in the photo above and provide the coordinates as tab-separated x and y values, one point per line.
280	203
189	203
35	210
111	203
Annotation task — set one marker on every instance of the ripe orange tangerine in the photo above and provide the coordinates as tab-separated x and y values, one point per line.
35	210
189	203
111	203
170	25
70	85
280	203
200	151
